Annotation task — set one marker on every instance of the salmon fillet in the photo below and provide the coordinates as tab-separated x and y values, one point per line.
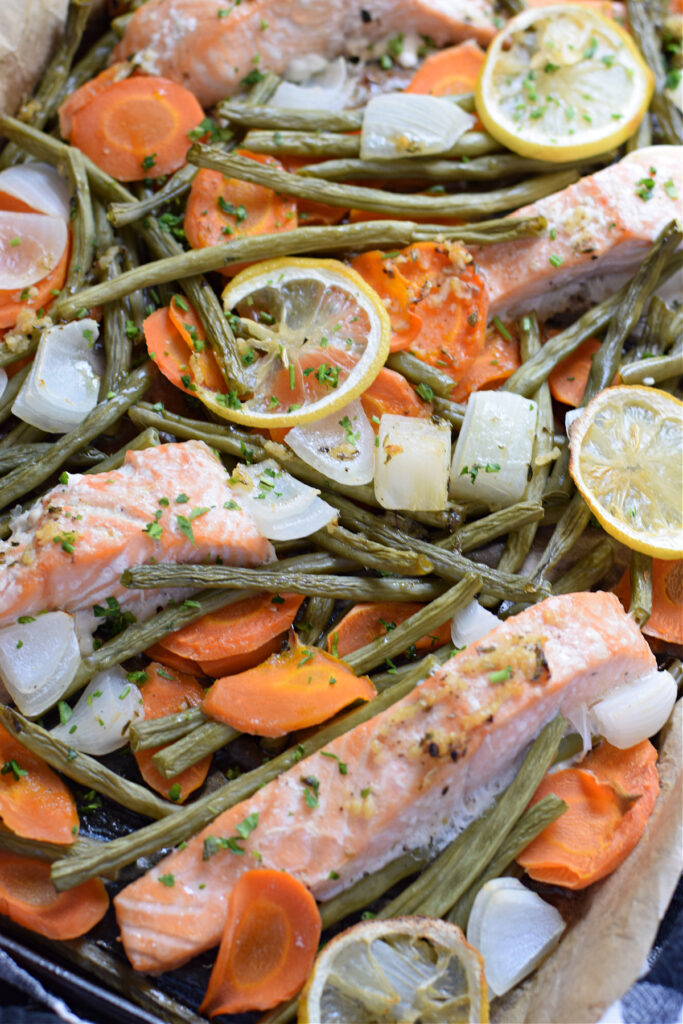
422	769
209	46
165	503
599	230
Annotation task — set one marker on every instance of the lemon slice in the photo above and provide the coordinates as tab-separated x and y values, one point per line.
562	83
314	335
406	969
626	458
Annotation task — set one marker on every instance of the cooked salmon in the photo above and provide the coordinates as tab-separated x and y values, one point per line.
422	769
599	229
165	503
209	46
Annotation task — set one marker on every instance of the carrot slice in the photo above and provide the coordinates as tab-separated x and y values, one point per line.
497	361
390	392
220	208
87	92
451	298
203	365
448	72
393	289
303	686
234	663
28	897
241	627
158	653
176	355
365	622
34	802
569	378
137	128
610	797
166	693
666	617
270	939
41	295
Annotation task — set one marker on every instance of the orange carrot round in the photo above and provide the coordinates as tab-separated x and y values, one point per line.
393	289
497	361
298	688
390	392
34	802
233	663
28	897
610	796
137	128
220	208
87	92
166	693
569	378
367	621
177	357
203	366
666	618
448	72
173	661
270	940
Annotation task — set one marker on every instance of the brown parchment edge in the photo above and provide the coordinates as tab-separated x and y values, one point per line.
603	953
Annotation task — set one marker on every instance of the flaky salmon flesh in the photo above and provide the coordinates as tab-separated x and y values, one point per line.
209	46
166	503
599	230
421	769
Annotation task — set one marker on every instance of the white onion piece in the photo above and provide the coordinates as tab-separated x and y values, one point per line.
493	452
101	718
516	931
39	186
31	245
282	507
411	463
64	382
471	623
325	89
399	124
635	711
581	720
569	417
341	446
3	381
85	624
38	660
480	904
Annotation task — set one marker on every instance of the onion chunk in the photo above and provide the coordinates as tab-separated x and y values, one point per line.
411	463
100	721
31	245
341	446
282	507
400	124
38	659
39	186
635	711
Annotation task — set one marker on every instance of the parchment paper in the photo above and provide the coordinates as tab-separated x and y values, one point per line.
603	953
29	30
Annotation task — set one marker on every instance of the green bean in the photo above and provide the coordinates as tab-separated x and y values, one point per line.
520	540
668	116
226	437
569	528
392	203
482	531
337	238
188	820
531	824
42	105
25	478
201	742
651	371
177	186
19	350
41	850
606	360
535	370
82	768
261	91
588	570
90	64
641	587
371	554
153	732
23	433
450	565
318	614
283	119
448	877
454	412
146	439
82	221
20	453
12	389
346	588
419	372
422	623
471	145
484	168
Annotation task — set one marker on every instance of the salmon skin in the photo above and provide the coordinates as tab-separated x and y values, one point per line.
209	46
165	503
421	770
599	230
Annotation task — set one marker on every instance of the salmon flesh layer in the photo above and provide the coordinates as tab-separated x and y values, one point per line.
599	230
165	503
209	46
413	773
